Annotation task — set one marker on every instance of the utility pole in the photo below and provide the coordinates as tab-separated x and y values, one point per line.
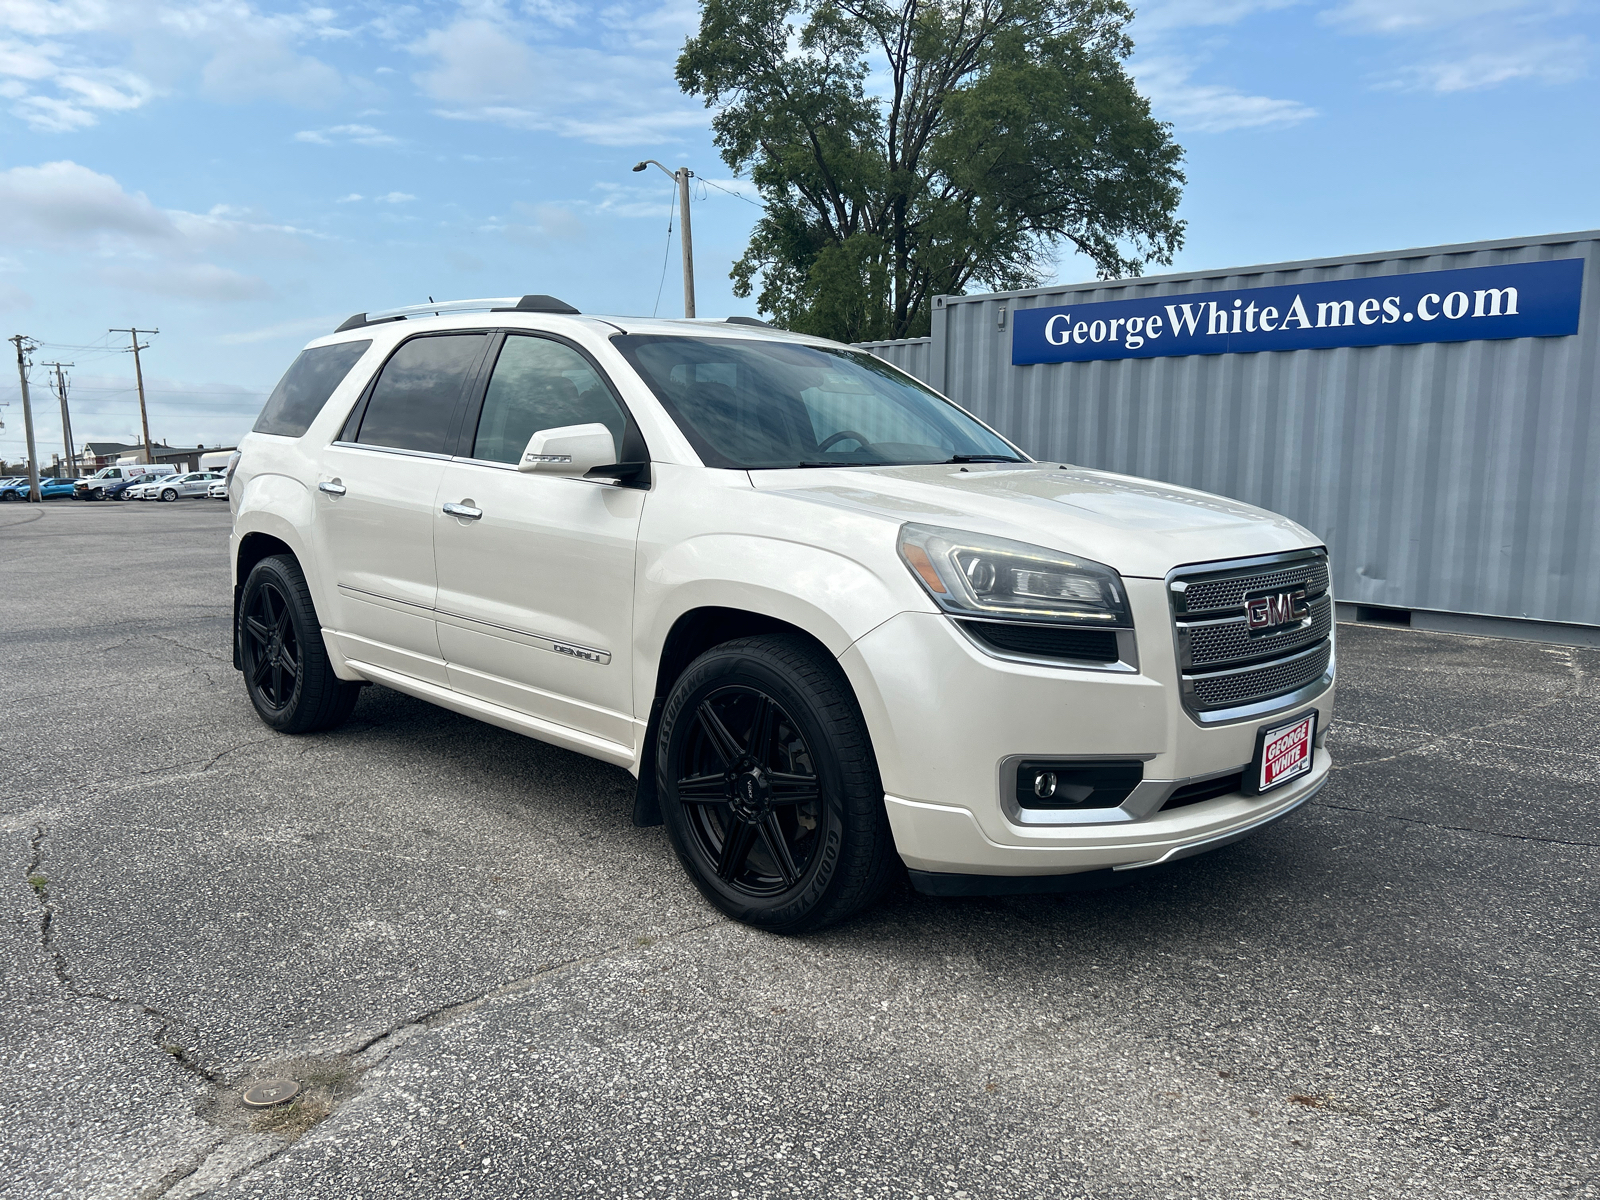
66	420
138	374
27	413
681	178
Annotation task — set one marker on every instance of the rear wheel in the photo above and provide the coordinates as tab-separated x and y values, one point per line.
769	787
286	667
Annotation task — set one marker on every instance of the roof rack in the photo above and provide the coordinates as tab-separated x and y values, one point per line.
527	304
748	321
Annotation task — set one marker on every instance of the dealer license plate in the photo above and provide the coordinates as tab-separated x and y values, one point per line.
1283	752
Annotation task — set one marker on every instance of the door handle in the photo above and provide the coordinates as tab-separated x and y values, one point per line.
332	486
463	510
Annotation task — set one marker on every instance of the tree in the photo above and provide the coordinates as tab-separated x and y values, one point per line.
905	150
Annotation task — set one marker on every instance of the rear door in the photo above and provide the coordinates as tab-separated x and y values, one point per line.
536	595
375	502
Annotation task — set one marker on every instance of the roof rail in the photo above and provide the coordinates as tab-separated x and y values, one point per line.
748	321
527	304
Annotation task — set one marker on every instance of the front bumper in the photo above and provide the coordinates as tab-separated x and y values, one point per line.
944	717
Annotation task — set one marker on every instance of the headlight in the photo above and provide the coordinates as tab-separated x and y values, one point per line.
978	576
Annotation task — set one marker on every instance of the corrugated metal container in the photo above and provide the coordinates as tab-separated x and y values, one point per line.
912	355
1458	477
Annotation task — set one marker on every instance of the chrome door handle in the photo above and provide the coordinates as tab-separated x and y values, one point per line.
463	510
331	486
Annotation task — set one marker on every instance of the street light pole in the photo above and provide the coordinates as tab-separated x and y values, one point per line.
681	178
66	419
138	375
27	415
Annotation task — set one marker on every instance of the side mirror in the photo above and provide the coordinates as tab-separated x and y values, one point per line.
569	450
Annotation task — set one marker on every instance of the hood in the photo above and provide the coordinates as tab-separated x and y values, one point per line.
1137	526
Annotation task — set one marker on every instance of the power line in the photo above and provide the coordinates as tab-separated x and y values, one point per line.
666	254
730	191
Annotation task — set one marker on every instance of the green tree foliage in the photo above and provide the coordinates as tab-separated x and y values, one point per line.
905	150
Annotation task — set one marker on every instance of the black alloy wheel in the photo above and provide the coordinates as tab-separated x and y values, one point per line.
271	650
769	788
287	672
751	795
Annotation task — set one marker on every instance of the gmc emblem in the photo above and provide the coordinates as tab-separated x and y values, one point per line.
1267	613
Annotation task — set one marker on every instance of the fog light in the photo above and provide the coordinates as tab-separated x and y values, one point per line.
1067	783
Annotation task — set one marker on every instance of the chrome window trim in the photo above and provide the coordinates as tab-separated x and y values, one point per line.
1127	648
388	450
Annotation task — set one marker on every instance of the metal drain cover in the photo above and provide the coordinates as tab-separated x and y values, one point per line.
264	1093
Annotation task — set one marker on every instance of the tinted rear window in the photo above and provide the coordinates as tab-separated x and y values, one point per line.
306	386
415	398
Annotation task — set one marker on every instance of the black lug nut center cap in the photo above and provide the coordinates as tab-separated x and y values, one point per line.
751	790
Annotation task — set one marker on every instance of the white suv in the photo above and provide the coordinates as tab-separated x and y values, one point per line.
826	617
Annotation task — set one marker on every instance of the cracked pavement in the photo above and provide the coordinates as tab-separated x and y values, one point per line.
509	991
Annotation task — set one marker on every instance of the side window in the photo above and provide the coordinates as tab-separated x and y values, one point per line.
540	384
306	386
415	397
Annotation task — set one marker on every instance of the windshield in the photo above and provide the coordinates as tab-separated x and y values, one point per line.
751	403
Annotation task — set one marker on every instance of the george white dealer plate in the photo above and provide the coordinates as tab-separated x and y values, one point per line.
1283	753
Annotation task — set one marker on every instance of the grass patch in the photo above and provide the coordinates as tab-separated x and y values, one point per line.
295	1118
40	886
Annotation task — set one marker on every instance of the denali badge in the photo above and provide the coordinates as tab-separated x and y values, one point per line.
1273	610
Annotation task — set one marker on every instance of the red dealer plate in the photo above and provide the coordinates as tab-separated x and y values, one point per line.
1283	752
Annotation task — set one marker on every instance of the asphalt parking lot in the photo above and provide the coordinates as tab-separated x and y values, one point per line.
493	985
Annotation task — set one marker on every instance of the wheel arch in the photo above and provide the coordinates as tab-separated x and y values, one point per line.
691	634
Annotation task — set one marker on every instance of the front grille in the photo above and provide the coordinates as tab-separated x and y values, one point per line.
1230	689
1044	641
1222	664
1217	595
1228	642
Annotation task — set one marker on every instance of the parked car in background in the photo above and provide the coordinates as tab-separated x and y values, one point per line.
192	484
49	489
218	489
108	481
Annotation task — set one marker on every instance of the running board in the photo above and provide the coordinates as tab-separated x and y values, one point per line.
506	718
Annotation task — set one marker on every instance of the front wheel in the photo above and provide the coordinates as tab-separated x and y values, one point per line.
99	494
769	787
286	667
169	494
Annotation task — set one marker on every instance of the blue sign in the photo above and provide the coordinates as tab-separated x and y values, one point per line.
1516	300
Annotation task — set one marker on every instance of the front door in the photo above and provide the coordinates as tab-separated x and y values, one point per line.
535	602
375	504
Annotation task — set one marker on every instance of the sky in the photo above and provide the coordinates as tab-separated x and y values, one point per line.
243	175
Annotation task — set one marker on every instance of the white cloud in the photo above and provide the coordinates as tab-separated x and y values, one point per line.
394	198
66	63
360	135
188	281
1470	45
497	71
1210	108
539	224
350	199
1551	62
285	330
1407	16
66	207
1162	15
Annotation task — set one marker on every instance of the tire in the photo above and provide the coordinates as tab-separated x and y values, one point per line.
287	673
7	496
169	494
98	494
786	760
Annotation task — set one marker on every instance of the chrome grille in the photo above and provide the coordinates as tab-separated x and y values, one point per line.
1228	592
1226	669
1229	641
1231	689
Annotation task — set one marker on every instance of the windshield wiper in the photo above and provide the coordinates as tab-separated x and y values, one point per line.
837	464
980	458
